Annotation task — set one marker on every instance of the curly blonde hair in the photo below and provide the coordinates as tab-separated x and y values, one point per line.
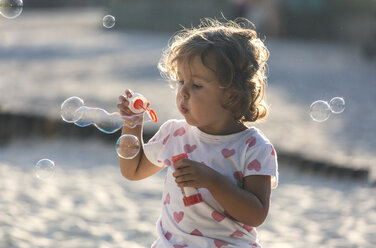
239	58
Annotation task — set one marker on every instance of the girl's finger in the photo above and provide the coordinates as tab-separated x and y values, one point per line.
181	164
186	184
124	100
128	93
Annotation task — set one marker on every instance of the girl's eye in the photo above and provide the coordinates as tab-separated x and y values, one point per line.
197	86
180	82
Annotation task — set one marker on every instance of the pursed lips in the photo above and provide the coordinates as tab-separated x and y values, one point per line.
183	109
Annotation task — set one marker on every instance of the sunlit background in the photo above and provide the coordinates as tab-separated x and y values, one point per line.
60	185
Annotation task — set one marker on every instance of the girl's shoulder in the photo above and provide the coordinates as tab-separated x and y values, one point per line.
173	124
256	136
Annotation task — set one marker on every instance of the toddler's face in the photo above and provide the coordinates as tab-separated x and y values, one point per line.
200	99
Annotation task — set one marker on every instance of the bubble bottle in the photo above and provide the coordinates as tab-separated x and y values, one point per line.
191	195
138	104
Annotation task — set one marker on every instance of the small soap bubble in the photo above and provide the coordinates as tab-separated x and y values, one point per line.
127	146
320	111
11	9
108	21
69	107
337	105
44	169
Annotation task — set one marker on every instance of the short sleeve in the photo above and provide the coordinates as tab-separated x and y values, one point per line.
262	160
153	147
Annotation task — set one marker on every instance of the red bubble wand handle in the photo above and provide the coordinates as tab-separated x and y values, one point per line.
191	195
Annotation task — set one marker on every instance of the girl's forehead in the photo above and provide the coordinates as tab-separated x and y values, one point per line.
194	67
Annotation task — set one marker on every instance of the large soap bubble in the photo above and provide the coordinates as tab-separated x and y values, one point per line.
127	146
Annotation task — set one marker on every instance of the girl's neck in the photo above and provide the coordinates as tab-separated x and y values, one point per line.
232	128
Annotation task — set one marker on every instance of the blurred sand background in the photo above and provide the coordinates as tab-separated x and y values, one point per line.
47	56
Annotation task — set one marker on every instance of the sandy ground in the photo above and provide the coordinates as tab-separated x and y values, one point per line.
87	203
46	57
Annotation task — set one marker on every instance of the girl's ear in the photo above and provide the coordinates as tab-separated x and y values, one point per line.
231	99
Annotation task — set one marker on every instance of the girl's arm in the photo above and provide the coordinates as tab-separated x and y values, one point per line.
249	205
139	167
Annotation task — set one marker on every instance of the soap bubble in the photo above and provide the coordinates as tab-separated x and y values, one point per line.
68	108
337	105
44	169
127	146
320	111
74	111
108	21
11	9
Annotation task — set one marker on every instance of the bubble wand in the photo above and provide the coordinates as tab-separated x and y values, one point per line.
191	195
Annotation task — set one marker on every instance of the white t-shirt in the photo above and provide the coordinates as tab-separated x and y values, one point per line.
236	156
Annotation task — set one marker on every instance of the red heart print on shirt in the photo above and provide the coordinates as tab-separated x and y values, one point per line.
167	199
219	244
165	140
273	151
189	148
178	216
248	228
217	216
179	132
197	233
167	162
254	165
251	141
238	175
179	246
168	235
237	233
228	153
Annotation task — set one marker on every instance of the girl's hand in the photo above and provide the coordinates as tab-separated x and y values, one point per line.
130	119
189	173
124	103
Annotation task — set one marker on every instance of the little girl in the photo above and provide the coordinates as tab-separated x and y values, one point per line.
219	69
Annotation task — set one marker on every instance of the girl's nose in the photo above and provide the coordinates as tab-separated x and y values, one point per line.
183	91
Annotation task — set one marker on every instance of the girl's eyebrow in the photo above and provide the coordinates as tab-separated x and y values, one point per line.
197	76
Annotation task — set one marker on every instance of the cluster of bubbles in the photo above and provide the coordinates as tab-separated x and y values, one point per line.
321	110
108	21
11	9
44	169
74	111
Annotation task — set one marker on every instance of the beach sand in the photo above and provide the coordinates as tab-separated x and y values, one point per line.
88	204
48	56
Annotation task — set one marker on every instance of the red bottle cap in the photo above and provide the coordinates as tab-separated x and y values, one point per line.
192	199
178	157
138	104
